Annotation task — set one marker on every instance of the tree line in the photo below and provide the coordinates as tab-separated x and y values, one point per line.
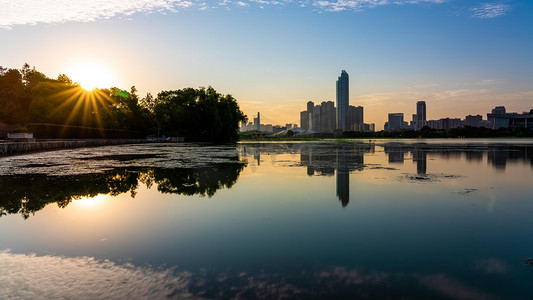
27	96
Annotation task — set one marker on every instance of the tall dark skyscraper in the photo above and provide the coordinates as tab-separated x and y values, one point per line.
420	114
342	101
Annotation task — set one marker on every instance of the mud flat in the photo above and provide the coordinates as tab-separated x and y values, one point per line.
12	148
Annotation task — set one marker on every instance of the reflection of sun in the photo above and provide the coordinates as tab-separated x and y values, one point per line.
92	202
91	75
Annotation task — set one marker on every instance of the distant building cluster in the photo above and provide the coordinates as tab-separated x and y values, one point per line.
267	128
341	116
324	117
498	118
327	118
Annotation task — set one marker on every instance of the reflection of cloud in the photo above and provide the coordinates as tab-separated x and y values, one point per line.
351	277
53	277
492	266
25	276
451	288
490	10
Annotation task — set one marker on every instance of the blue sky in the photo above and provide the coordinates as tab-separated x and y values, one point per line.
461	56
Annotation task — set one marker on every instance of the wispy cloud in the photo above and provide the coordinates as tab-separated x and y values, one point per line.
34	12
357	5
492	82
490	10
60	11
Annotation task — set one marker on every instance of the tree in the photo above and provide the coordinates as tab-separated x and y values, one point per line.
198	114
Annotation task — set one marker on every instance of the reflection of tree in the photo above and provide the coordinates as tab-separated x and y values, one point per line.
27	194
203	181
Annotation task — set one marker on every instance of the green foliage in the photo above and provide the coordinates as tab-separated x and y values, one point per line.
198	114
28	96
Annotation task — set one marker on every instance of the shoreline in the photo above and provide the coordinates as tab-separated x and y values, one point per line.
8	148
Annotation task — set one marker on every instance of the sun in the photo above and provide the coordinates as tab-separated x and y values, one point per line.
91	202
91	75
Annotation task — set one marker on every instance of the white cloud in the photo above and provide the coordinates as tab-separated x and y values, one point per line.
60	11
33	12
340	5
490	10
492	82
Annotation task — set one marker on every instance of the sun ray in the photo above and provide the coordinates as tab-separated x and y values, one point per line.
73	95
74	111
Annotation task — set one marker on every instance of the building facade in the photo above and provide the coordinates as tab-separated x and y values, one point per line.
420	114
342	101
395	122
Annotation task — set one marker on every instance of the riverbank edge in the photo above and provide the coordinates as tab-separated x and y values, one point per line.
313	139
14	148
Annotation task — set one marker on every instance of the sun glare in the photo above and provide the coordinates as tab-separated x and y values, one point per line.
92	202
91	75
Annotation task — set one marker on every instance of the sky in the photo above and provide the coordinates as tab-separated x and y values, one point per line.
460	56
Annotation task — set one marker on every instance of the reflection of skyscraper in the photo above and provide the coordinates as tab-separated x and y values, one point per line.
342	101
498	158
420	156
472	156
339	161
396	156
343	178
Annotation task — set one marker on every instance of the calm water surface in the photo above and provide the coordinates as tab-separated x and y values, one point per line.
439	219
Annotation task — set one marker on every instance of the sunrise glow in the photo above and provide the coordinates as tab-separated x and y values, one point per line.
91	75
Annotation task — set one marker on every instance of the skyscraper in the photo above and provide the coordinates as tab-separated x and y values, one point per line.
327	116
395	121
420	114
257	122
304	119
342	101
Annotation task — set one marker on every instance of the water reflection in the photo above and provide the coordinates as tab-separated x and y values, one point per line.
498	155
325	159
342	158
28	194
413	232
89	278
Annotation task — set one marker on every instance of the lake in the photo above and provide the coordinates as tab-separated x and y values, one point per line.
376	219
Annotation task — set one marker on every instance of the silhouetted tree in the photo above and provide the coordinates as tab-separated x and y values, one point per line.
198	114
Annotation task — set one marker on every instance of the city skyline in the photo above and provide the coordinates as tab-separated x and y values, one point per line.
465	57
